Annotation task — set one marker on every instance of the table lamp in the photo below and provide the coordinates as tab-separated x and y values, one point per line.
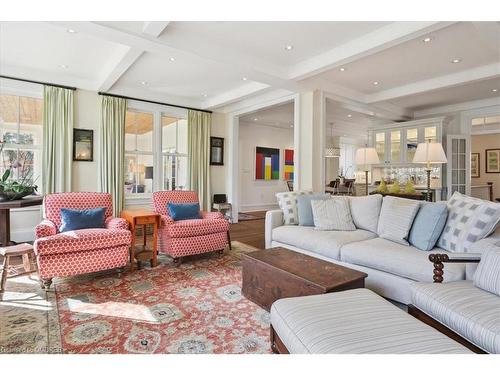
429	153
366	156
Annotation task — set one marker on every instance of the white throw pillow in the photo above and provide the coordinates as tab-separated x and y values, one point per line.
469	220
332	214
396	218
365	211
487	276
288	204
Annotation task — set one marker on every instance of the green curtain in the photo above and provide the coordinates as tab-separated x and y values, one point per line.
199	124
58	119
111	174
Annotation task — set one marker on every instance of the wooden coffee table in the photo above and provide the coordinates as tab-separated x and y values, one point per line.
269	275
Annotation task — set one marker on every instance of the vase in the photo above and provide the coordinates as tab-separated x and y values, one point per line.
12	196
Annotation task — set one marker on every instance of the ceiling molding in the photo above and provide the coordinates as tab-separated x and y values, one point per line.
450	80
119	68
154	28
369	44
465	106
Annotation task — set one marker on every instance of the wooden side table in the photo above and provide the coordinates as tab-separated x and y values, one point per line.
137	218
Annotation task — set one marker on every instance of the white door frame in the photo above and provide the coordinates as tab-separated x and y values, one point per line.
233	124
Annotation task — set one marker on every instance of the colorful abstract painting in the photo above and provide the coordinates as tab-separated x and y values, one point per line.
289	167
267	163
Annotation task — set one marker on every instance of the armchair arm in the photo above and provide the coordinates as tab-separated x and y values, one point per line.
166	220
45	228
439	259
116	223
211	215
274	219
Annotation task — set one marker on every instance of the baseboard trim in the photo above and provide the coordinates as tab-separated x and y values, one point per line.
258	207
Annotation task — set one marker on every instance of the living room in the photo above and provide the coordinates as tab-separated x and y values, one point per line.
283	185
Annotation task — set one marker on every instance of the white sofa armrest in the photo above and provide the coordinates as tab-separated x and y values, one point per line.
274	219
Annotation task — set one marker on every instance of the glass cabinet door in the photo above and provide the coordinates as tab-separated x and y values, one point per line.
430	134
395	145
411	144
380	146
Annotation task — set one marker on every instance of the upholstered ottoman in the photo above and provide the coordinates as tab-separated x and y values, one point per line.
353	321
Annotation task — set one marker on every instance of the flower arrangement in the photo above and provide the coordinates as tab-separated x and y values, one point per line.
12	188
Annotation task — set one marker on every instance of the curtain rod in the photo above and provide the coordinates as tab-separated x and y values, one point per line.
153	102
38	82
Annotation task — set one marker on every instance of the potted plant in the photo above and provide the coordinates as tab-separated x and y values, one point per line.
12	188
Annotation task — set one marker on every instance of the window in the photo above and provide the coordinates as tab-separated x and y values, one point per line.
138	152
156	156
21	132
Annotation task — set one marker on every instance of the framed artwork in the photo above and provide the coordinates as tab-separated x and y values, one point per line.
289	167
475	165
83	145
493	160
216	151
267	163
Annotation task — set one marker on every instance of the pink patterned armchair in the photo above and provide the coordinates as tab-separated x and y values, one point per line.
189	237
79	251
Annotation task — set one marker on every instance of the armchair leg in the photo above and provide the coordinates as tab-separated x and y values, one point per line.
220	252
229	241
46	283
178	261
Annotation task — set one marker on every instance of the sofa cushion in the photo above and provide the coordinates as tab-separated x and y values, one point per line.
469	220
469	311
197	227
288	204
327	243
487	276
332	214
354	321
401	260
396	218
428	225
304	209
81	240
365	211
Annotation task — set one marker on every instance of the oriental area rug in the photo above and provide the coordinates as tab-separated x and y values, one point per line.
194	308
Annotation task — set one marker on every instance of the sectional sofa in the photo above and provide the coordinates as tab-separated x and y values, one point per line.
392	268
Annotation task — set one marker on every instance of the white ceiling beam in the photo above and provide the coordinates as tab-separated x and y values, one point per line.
371	43
489	32
119	68
232	96
450	80
154	28
453	108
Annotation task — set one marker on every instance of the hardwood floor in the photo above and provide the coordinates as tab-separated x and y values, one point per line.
250	232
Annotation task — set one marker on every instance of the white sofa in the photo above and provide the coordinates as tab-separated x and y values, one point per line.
392	268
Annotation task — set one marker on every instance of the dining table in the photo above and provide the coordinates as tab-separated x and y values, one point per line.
5	207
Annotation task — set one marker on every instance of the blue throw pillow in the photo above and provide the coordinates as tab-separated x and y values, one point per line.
82	219
183	211
428	225
304	208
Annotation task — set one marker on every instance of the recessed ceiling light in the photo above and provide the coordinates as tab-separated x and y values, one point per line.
204	95
426	40
456	61
349	115
245	79
256	119
375	83
494	90
71	31
289	47
342	69
144	83
63	66
172	59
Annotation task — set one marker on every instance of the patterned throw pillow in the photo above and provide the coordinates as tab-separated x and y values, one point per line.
487	276
469	220
396	218
332	214
288	204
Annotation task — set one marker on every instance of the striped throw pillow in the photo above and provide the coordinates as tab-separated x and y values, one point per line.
396	219
487	276
332	214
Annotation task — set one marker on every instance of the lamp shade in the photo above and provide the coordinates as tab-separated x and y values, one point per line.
366	156
429	153
332	152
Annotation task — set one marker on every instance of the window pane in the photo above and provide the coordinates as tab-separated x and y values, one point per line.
139	131
168	134
411	143
182	136
138	174
9	106
30	129
396	145
430	134
174	172
380	145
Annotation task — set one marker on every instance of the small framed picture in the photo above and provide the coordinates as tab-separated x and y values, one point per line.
475	165
216	151
493	160
83	145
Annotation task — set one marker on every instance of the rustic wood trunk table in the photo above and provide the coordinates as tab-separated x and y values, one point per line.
5	207
269	275
137	218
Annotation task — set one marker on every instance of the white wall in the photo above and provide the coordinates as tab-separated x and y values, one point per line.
258	195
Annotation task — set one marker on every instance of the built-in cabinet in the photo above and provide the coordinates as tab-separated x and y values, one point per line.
396	143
